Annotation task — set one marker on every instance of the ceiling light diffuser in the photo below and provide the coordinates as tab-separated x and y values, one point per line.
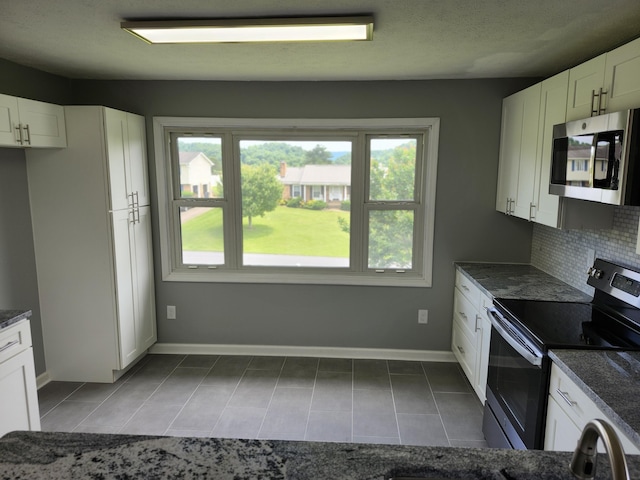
312	29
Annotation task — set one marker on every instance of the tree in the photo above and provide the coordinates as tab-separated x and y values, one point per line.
319	155
261	191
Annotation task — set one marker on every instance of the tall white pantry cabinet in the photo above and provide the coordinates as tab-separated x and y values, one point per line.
92	235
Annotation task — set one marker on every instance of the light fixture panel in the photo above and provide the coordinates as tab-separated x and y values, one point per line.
310	29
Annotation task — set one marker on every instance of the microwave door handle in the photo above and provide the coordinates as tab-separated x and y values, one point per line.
527	354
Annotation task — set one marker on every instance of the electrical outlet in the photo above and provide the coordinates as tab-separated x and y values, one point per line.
423	316
171	312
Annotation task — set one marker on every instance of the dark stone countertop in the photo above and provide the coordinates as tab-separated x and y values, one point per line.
42	455
611	380
9	317
506	280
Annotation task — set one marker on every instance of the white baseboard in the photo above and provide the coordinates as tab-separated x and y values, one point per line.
288	351
42	380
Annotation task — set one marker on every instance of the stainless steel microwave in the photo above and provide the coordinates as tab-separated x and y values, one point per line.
597	158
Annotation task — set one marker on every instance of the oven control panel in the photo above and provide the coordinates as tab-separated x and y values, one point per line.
616	280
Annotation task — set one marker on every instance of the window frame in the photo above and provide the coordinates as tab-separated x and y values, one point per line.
358	273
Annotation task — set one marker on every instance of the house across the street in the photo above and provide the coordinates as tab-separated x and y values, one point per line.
330	183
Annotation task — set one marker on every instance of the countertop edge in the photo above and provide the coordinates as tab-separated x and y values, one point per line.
11	317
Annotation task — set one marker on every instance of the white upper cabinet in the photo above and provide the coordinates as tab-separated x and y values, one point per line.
607	83
526	143
29	123
518	147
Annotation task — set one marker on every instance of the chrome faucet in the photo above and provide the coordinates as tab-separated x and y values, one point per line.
583	462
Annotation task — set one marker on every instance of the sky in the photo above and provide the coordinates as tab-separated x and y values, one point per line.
380	143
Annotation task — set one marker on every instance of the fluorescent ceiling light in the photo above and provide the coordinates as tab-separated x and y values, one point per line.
253	30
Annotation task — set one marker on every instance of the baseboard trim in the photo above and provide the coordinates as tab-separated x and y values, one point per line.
289	351
42	380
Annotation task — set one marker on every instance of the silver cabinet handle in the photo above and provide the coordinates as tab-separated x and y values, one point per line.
565	397
18	130
27	137
594	111
478	317
602	107
461	349
9	345
532	211
463	315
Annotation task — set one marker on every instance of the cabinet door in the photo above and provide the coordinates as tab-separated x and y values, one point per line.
122	224
43	124
145	321
530	99
18	394
622	71
482	362
511	130
137	157
116	139
583	81
561	434
553	105
9	120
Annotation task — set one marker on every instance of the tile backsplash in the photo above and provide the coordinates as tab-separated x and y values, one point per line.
565	253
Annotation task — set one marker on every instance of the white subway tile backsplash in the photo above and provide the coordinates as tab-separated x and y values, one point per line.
565	253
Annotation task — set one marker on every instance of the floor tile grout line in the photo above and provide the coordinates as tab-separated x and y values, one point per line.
226	405
435	402
395	408
63	400
313	392
266	411
192	393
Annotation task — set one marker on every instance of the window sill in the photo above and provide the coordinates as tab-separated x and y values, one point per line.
380	280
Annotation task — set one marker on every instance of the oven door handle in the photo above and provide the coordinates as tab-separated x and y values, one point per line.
530	354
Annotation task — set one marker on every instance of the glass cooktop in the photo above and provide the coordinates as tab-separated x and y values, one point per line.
569	325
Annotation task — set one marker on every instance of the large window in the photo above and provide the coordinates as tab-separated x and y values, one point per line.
297	201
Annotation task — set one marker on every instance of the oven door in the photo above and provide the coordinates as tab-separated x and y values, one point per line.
517	386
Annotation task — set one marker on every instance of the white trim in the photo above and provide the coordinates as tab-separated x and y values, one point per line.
422	278
289	351
42	380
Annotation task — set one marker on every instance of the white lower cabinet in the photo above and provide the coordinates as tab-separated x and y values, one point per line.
471	333
18	392
568	411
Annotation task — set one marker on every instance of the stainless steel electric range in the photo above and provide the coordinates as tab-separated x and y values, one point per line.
522	333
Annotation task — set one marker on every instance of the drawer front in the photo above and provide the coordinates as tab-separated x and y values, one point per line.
14	339
463	350
465	313
579	407
468	289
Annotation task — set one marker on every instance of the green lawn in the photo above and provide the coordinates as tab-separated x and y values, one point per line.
287	231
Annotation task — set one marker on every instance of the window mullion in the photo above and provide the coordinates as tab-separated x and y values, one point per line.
233	218
358	246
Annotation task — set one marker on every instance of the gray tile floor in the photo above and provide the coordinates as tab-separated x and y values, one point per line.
287	398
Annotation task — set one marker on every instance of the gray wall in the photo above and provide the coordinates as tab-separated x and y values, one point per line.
18	282
466	228
466	225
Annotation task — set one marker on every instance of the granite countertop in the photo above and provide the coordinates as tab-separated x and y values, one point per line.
520	281
9	317
42	455
611	379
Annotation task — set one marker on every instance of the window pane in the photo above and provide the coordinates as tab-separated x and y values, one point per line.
295	202
200	167
392	169
202	236
390	239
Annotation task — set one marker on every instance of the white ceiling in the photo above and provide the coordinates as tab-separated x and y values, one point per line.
412	39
